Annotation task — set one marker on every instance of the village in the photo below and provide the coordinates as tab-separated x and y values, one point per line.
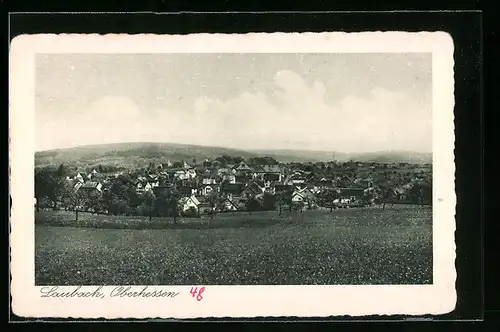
232	184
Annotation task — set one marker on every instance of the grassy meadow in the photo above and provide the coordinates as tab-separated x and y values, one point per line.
347	246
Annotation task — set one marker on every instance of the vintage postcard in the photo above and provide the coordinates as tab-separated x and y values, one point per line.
212	175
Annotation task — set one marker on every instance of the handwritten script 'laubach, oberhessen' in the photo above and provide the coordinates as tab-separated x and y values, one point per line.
119	291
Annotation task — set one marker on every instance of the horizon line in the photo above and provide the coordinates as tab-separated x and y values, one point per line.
234	148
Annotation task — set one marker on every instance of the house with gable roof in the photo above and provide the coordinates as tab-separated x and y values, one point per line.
185	165
92	175
297	177
187	189
75	184
272	173
242	168
90	189
225	171
231	194
403	192
252	189
304	195
148	187
139	187
79	178
226	175
185	174
209	180
208	185
189	202
351	195
258	171
208	189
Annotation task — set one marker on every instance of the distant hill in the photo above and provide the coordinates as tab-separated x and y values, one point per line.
132	154
299	155
394	157
141	154
376	157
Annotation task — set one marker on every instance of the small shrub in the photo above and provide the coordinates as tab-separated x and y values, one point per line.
192	212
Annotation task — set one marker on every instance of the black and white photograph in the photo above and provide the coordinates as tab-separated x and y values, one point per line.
233	169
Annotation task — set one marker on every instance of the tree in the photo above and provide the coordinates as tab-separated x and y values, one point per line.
119	195
73	199
271	161
48	186
238	159
76	197
149	199
133	198
328	197
280	202
100	207
90	200
192	212
222	160
39	187
62	171
268	201
252	205
262	161
298	206
308	168
213	199
421	193
385	193
368	196
172	201
283	198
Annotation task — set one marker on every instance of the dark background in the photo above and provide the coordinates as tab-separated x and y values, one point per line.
466	28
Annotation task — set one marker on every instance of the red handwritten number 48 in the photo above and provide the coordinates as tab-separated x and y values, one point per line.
194	292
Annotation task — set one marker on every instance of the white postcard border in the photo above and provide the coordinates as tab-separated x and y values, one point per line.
234	301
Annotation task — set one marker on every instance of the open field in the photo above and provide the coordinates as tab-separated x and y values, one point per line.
352	246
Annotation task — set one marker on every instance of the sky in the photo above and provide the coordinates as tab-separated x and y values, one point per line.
333	102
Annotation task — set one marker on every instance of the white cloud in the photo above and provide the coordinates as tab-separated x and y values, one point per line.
295	115
106	120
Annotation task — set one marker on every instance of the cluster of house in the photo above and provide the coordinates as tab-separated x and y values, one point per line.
234	184
86	182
